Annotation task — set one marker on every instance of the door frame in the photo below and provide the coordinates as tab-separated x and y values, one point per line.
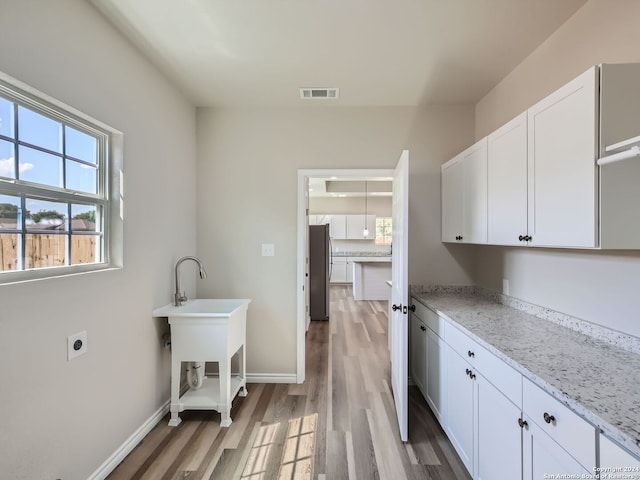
303	191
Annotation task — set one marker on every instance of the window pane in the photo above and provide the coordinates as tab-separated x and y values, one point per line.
6	118
9	212
83	218
45	250
7	160
80	145
39	130
84	249
40	167
9	248
44	215
81	177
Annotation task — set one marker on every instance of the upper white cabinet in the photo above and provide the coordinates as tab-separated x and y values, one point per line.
337	226
543	185
562	152
507	183
464	196
355	227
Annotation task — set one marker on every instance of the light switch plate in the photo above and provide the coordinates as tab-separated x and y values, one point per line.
76	345
268	250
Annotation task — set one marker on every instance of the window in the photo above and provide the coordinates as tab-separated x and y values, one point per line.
58	195
383	230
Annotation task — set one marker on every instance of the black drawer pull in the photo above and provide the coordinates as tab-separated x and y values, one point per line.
522	423
423	328
548	418
471	354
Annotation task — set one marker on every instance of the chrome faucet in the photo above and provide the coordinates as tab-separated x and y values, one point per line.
179	296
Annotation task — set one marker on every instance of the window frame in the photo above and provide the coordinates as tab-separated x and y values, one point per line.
384	239
109	189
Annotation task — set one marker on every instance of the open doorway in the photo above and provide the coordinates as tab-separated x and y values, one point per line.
335	196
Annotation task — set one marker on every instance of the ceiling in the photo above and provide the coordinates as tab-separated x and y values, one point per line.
340	187
239	53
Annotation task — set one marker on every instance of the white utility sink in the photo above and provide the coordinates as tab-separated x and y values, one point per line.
207	330
203	307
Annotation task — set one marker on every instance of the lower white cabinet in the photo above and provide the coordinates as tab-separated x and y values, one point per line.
460	407
498	453
502	426
428	358
338	270
419	353
436	363
613	456
542	457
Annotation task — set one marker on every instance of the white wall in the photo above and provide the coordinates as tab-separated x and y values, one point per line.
247	188
63	419
597	286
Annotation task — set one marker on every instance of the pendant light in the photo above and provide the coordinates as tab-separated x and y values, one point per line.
365	232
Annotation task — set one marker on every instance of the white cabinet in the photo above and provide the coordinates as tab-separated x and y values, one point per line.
498	453
428	358
460	405
337	226
614	456
356	224
562	150
555	439
436	374
419	354
507	183
542	456
338	270
464	196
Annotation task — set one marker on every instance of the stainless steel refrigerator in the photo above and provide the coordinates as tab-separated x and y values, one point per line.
319	271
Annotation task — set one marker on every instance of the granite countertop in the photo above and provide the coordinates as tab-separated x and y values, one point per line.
597	380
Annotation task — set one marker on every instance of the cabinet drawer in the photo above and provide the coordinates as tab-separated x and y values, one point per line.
567	428
501	375
429	318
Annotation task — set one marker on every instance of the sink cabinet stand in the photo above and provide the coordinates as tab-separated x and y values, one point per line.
208	339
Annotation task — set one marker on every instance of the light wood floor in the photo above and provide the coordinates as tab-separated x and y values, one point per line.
339	424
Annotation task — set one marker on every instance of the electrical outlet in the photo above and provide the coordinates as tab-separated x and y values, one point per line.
268	250
76	345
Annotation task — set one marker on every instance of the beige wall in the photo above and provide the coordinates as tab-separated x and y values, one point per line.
63	419
596	286
247	195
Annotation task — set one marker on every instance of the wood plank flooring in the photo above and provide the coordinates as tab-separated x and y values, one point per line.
339	424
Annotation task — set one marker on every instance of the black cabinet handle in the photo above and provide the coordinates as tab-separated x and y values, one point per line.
396	307
472	376
468	372
548	418
522	423
521	237
471	354
422	327
412	308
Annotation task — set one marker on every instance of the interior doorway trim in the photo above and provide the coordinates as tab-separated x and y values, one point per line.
303	193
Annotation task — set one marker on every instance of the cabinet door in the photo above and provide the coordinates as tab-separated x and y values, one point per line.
507	183
562	150
460	401
419	353
436	374
612	456
543	457
499	439
474	194
349	270
452	178
356	224
338	270
313	220
338	227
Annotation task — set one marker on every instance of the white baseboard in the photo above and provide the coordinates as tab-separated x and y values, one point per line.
272	378
130	443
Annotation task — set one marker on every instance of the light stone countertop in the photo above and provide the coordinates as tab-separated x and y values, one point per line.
597	380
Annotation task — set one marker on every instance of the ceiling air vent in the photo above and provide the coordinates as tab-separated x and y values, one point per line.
319	93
